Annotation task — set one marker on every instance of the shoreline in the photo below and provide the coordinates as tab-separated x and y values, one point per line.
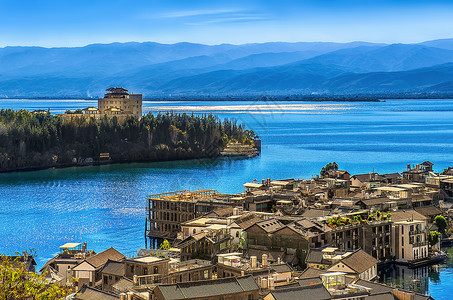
100	163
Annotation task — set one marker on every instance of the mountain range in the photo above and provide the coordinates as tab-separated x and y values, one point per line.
159	70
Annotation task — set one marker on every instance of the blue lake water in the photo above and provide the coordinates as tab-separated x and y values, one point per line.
105	205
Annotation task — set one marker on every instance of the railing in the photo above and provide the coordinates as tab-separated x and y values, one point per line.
419	244
146	280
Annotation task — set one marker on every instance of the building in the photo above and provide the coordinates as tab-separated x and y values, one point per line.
117	102
418	173
88	272
358	263
71	254
410	242
167	211
112	272
374	237
146	270
190	270
234	265
237	288
206	245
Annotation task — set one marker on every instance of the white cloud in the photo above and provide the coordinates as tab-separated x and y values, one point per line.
197	13
229	20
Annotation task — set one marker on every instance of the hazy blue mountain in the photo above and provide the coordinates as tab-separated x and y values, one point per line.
160	69
423	79
294	76
443	44
396	57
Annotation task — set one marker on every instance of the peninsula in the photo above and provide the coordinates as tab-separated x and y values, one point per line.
115	131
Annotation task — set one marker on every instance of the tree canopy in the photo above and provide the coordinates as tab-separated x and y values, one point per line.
165	245
441	223
330	166
433	238
44	140
18	283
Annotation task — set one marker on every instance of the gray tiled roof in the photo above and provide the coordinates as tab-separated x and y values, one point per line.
113	268
208	288
376	288
311	292
89	293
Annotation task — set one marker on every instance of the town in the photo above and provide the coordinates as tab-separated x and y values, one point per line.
329	237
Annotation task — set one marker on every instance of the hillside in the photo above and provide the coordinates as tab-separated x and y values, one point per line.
185	68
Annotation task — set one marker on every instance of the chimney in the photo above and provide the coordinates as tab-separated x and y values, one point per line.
129	295
279	260
271	283
268	182
263	283
242	273
123	296
263	182
408	166
253	261
135	278
264	260
84	247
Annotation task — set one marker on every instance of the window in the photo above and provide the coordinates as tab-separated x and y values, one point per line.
250	297
402	241
156	270
106	281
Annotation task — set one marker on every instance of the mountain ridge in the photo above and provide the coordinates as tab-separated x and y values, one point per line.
189	68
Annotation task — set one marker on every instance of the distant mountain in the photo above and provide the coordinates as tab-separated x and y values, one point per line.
185	68
396	57
419	80
443	44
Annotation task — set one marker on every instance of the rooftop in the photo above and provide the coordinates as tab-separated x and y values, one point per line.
185	196
208	288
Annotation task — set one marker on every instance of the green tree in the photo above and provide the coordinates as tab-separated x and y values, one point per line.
327	168
378	215
165	245
18	283
441	223
433	238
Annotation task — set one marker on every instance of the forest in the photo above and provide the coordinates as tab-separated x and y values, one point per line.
32	141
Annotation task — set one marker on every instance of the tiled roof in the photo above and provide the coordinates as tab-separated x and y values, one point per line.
404	215
270	225
101	258
359	261
311	273
89	293
368	177
311	292
247	220
315	213
376	288
392	175
282	268
208	288
114	268
428	211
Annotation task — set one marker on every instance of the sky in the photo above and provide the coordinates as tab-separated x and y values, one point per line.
68	23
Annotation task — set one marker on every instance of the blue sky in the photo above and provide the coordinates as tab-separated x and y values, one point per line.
80	22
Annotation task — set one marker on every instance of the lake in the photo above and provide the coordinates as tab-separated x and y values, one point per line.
105	205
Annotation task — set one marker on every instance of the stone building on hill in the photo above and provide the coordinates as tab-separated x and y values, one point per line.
117	102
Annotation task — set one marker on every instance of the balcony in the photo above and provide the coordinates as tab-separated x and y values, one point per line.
420	244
